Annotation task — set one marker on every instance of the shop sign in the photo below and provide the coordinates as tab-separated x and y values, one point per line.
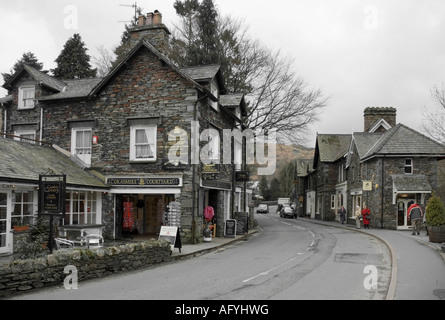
52	191
145	182
230	229
242	176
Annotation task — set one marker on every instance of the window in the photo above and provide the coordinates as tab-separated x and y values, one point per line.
81	207
214	91
214	146
22	207
333	198
26	97
341	173
143	143
25	136
81	144
409	166
238	154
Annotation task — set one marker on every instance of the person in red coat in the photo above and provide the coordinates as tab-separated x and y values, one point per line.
366	213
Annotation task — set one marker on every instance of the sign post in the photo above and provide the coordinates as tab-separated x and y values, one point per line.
52	198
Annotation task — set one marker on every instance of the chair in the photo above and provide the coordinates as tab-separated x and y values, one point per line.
94	240
64	244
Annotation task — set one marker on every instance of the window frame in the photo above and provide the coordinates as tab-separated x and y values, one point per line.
21	98
409	167
86	157
19	133
152	135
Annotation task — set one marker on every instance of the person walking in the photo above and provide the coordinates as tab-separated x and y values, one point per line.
358	215
366	213
415	214
342	213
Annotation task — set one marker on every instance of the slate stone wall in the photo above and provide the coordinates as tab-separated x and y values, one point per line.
27	275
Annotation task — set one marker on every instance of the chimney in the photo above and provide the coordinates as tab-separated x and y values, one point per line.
151	28
373	115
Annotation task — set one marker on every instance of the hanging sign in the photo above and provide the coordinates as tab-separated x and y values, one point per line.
52	190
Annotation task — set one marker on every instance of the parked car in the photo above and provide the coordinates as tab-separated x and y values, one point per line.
287	212
262	208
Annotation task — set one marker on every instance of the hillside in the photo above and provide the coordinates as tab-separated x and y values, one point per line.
285	154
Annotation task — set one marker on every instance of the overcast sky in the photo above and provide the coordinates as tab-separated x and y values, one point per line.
360	53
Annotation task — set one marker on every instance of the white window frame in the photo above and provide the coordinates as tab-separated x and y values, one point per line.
152	135
27	95
215	92
411	166
18	135
83	207
238	157
85	157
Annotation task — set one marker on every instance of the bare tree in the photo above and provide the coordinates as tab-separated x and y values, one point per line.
434	120
278	98
104	61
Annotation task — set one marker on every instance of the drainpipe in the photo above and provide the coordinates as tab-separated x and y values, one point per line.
194	199
383	191
41	125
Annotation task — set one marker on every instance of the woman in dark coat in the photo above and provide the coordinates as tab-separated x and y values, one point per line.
366	213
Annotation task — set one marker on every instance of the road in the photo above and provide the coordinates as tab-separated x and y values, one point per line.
289	260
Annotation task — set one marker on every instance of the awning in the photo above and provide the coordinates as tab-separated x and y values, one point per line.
411	184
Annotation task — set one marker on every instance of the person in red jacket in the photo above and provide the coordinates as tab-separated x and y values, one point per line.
415	214
366	213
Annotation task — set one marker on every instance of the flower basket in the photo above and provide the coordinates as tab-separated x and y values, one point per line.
21	228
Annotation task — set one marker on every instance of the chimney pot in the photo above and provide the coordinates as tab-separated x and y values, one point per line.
141	21
157	17
149	19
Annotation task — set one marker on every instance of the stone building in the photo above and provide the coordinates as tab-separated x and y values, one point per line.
150	132
387	167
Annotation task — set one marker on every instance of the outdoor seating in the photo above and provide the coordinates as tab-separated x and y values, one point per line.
63	243
94	240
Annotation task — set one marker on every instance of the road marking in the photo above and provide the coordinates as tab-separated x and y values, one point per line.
265	273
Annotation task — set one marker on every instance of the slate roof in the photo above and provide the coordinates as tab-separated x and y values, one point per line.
20	161
74	89
332	147
50	82
413	183
402	140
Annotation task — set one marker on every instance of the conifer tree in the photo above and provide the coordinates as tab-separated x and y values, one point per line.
74	62
28	58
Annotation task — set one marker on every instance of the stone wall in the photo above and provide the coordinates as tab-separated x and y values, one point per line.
26	275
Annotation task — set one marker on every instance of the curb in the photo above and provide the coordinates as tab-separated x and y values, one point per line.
392	284
215	248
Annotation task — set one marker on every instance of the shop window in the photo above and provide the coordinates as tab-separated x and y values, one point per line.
143	143
81	142
81	207
22	208
26	97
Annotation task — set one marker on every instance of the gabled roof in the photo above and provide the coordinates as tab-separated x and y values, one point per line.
41	77
332	147
74	89
204	74
401	141
142	44
235	100
20	161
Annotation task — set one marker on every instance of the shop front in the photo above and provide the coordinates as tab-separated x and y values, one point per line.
142	205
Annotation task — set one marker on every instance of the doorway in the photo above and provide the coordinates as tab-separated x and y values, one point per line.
5	217
402	213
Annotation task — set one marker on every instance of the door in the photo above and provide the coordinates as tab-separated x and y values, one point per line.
5	225
402	213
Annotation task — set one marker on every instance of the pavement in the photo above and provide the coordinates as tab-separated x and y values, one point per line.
409	253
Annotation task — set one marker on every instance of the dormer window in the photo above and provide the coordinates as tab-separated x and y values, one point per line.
27	95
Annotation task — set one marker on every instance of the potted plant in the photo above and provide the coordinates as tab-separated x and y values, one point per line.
435	219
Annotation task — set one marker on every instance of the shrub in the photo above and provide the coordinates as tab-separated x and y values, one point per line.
435	212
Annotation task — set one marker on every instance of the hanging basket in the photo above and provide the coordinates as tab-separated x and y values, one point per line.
436	234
